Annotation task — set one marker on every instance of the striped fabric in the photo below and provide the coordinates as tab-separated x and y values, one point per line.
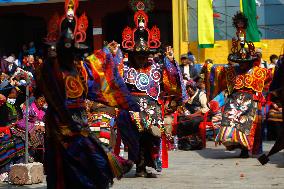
10	148
101	125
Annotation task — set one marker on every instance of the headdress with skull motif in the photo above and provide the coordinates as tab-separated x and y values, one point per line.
74	26
240	53
131	38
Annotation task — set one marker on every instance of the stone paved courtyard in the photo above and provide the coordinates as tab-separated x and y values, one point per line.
209	168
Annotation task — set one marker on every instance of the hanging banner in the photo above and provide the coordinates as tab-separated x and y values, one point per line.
248	7
205	23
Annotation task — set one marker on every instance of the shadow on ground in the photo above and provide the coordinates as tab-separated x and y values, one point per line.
221	153
218	153
277	159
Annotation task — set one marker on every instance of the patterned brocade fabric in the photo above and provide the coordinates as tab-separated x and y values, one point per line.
238	118
254	79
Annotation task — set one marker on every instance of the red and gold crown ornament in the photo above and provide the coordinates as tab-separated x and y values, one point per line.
55	23
130	40
240	53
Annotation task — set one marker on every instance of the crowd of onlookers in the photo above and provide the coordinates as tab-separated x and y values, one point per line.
17	76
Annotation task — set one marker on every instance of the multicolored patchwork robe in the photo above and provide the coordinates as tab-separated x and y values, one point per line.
75	157
241	118
148	85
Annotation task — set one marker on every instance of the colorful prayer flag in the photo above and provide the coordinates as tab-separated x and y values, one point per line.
205	23
248	7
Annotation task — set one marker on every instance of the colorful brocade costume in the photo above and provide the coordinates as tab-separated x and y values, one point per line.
149	80
75	157
241	118
142	131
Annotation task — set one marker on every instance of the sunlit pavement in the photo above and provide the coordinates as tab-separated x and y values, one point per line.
212	167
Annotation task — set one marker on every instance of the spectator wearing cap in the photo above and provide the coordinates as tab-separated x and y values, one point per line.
187	66
9	65
263	63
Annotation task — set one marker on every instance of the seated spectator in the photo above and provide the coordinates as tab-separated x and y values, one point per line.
11	111
273	61
185	78
28	64
8	65
35	126
200	84
4	80
12	149
187	66
263	63
188	124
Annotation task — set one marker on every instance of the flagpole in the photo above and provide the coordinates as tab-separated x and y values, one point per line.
27	122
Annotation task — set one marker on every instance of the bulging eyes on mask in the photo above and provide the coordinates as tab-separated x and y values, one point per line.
11	100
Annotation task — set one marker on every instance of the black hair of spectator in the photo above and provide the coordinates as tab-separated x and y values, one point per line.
210	61
197	79
193	87
273	56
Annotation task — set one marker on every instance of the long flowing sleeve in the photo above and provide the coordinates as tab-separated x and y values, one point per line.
215	79
105	84
172	80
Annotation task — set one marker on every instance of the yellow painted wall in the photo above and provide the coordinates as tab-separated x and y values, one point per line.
221	50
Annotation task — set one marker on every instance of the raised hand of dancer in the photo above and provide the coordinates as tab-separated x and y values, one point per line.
113	47
170	53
